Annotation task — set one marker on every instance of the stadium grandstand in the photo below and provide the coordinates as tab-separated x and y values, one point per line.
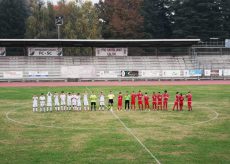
162	59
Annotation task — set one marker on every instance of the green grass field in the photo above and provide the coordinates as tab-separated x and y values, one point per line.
201	136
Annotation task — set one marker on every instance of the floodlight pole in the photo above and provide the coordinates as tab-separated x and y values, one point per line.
59	35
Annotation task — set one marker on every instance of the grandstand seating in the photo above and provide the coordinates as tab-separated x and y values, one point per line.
131	63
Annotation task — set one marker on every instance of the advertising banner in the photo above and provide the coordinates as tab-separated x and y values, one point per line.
227	43
171	73
226	72
111	51
78	71
129	73
150	73
108	74
185	73
195	72
217	72
38	74
13	74
2	51
41	51
207	72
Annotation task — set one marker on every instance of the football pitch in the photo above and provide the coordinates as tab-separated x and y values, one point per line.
200	136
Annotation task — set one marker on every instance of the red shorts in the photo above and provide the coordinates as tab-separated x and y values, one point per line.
154	102
165	102
119	103
133	102
160	103
140	102
146	103
190	103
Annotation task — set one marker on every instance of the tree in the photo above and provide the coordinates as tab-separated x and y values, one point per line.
157	18
121	19
198	19
13	14
225	9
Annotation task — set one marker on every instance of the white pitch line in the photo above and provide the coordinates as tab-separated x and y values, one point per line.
202	122
135	137
51	126
116	116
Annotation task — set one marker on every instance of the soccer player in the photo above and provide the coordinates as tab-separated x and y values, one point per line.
56	101
78	97
102	101
49	102
63	101
93	100
42	99
165	100
140	99
35	103
189	99
119	101
85	101
146	100
176	101
181	101
154	99
133	101
111	97
74	101
159	101
127	101
69	101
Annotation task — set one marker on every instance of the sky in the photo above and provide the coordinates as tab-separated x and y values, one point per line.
55	1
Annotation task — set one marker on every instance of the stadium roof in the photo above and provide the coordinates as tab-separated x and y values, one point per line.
97	43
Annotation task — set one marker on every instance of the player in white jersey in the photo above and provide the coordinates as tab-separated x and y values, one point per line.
49	102
85	101
56	101
69	101
74	101
102	101
63	101
78	102
35	103
42	99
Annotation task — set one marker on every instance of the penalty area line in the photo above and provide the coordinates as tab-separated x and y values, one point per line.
138	140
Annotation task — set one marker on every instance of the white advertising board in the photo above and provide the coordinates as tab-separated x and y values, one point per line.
207	72
171	73
186	73
109	74
227	43
38	74
2	51
150	73
78	71
111	51
41	51
13	74
226	72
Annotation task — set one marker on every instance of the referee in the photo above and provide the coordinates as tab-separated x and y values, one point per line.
127	100
111	97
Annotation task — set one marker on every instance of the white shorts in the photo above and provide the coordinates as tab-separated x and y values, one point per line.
74	103
42	104
102	103
62	103
79	103
49	103
86	103
35	105
69	103
56	104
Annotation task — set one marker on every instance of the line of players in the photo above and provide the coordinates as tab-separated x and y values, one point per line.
73	101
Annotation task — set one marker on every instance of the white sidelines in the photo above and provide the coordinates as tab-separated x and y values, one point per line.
130	132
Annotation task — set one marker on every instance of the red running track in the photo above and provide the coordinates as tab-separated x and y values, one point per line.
126	83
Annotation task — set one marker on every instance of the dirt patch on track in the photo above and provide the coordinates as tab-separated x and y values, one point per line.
129	83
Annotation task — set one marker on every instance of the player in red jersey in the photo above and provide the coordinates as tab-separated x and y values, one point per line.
146	99
119	100
165	100
189	99
159	101
133	100
181	101
140	99
176	101
154	99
